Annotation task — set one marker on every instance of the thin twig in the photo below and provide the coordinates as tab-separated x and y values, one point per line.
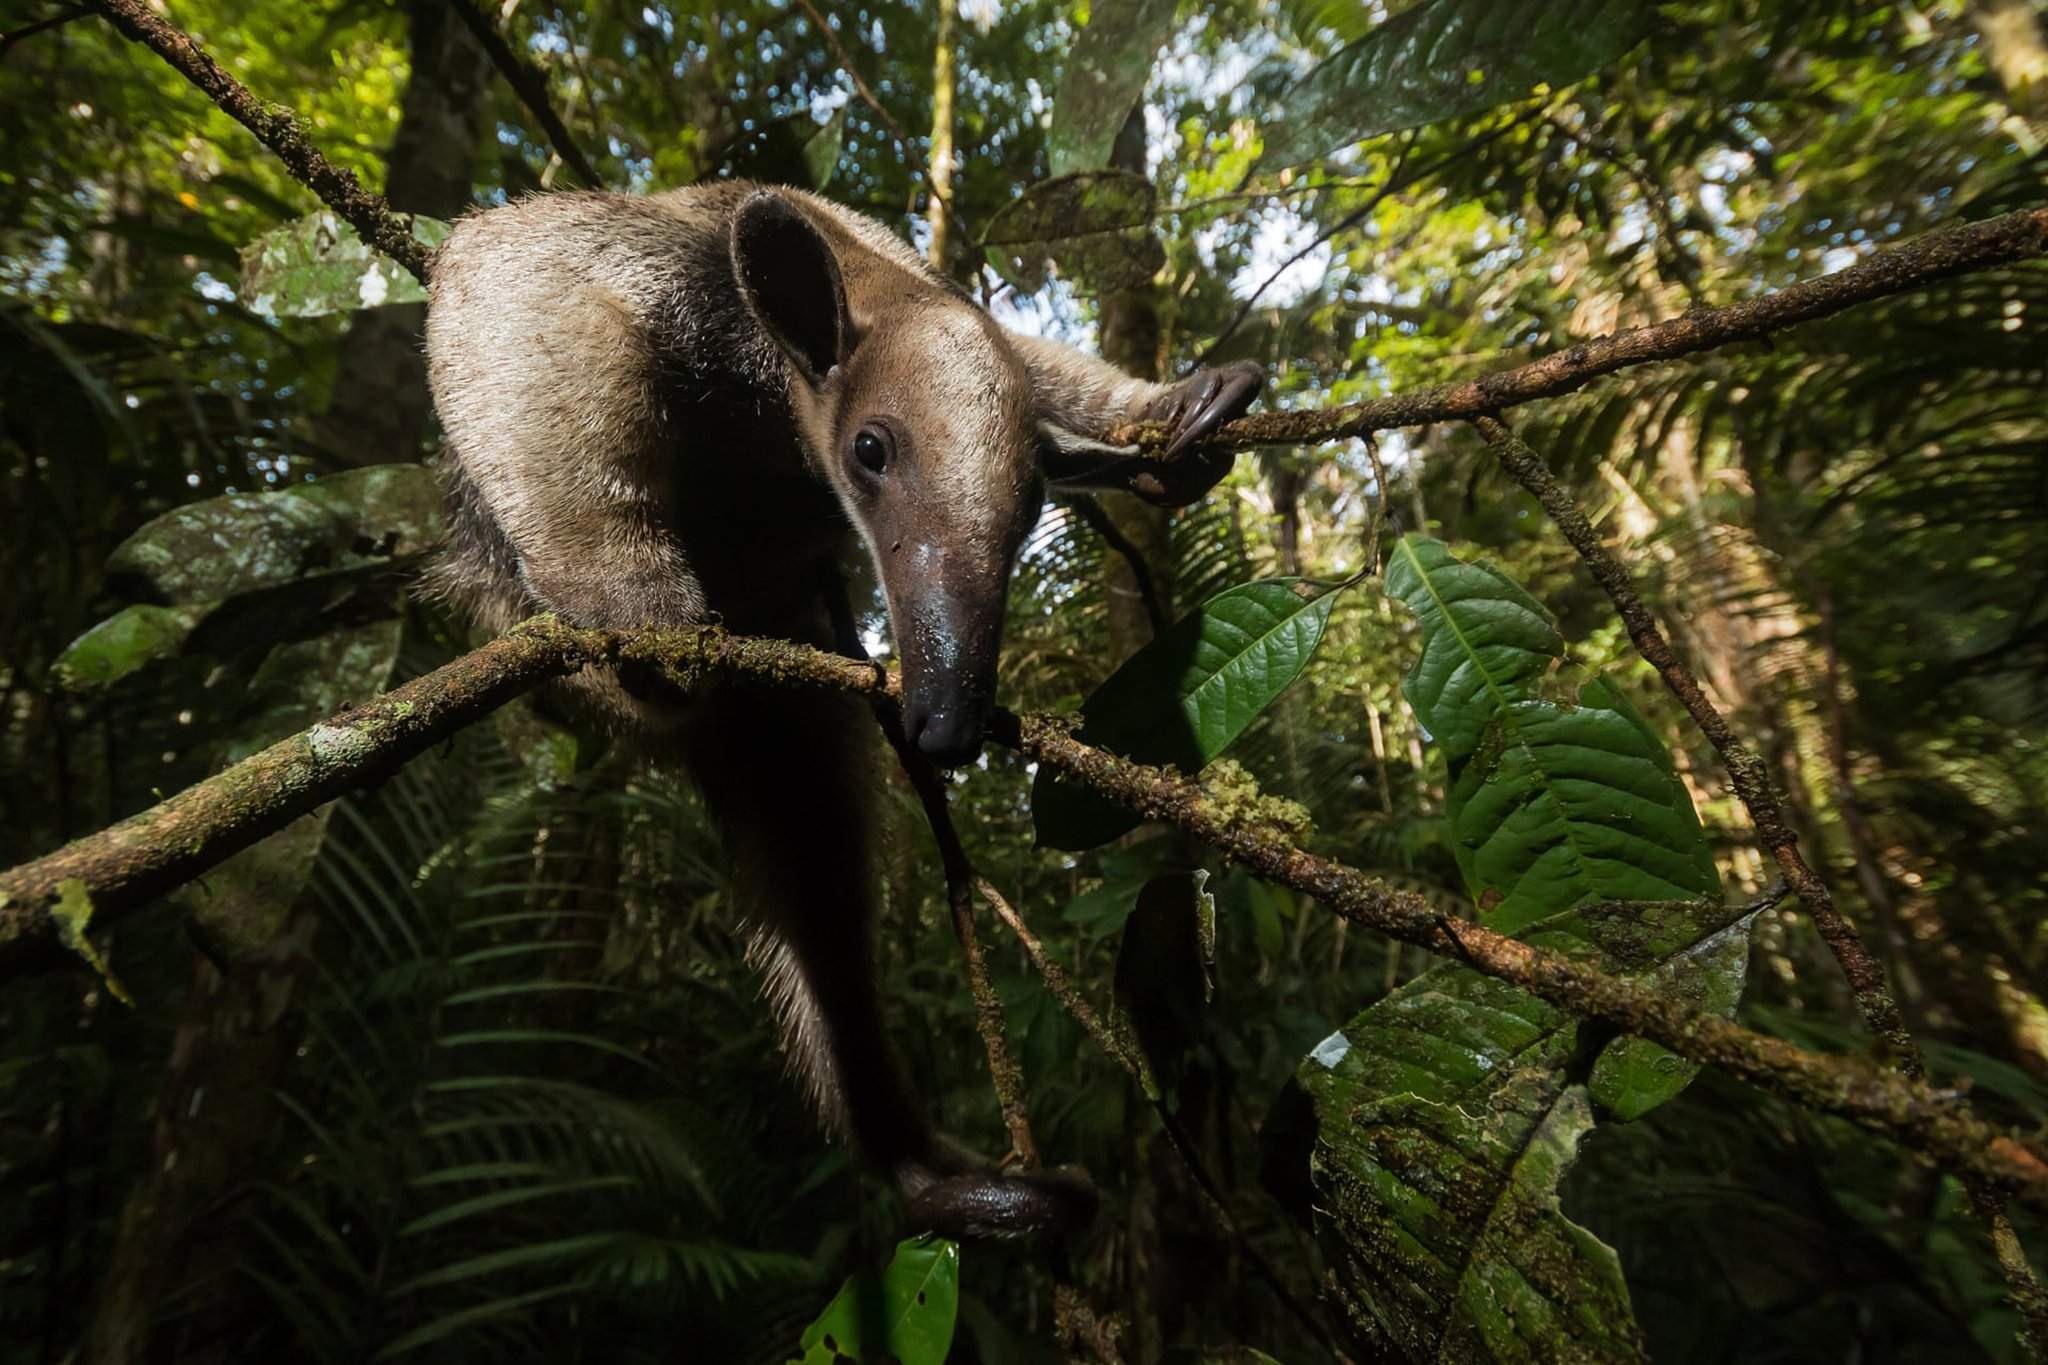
1747	771
1091	514
1004	1073
1344	224
2016	236
1117	1045
57	20
530	85
279	130
868	97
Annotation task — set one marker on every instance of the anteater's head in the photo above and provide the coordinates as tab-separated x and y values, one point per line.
922	417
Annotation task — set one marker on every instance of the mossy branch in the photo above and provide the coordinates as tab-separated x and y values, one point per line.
279	129
123	867
2018	236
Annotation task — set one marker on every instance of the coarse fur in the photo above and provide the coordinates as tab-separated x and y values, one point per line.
693	406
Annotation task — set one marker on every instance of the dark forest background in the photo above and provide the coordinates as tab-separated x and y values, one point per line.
509	973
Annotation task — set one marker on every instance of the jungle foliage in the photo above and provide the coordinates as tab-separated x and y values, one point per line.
471	1066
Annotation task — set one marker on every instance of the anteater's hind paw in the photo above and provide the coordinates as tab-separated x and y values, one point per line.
986	1205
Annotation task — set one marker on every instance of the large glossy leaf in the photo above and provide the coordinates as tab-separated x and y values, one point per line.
1441	58
367	520
1184	697
1105	75
1485	642
1447	1113
1551	803
318	265
1095	226
904	1316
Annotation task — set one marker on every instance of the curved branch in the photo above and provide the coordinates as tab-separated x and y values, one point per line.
1747	772
120	868
530	85
178	840
279	130
2016	236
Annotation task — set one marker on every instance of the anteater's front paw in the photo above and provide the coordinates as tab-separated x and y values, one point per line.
1192	410
985	1205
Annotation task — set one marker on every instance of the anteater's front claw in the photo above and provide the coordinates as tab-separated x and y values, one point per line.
1192	410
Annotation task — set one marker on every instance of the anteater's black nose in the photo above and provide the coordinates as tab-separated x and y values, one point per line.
948	735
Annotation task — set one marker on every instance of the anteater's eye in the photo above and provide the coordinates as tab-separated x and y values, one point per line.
871	448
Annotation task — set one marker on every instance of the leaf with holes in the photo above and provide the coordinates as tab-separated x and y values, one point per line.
1095	226
318	265
1105	75
367	521
903	1316
1441	58
1447	1113
1186	696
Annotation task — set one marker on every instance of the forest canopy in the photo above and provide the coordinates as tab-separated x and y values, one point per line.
1541	861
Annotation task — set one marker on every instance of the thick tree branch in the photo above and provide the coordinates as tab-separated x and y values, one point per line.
177	841
279	130
2016	236
530	85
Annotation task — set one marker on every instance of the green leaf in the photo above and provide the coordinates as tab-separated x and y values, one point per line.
904	1316
1485	642
365	521
1442	58
821	151
1105	75
1550	804
1094	225
318	265
1163	982
1565	802
131	638
1445	1118
1448	1112
1186	696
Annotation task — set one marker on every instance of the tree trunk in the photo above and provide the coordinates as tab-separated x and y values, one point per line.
215	1115
1130	340
2016	50
942	129
378	412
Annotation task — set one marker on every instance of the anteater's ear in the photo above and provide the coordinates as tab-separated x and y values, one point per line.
1069	460
790	280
